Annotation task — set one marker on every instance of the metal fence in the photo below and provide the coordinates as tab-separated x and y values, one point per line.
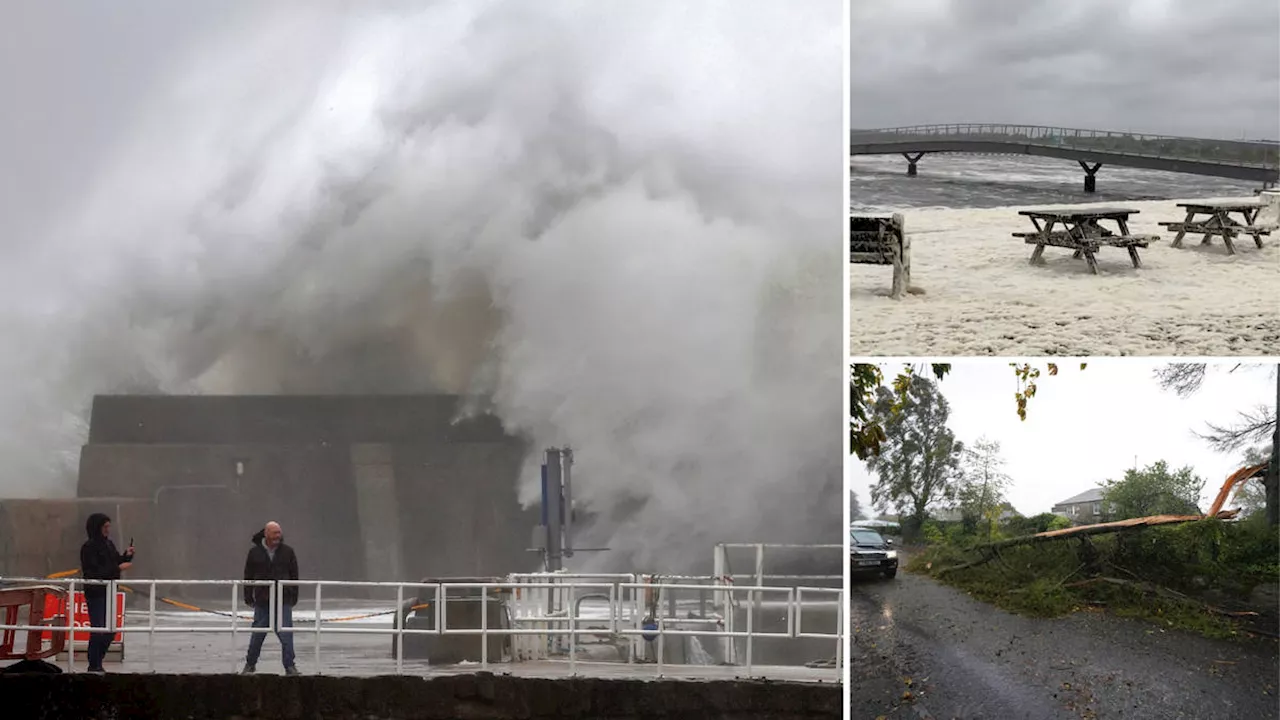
544	612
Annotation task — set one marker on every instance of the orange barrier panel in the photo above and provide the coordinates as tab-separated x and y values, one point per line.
56	606
36	599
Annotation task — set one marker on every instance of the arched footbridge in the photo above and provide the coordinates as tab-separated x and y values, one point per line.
1254	161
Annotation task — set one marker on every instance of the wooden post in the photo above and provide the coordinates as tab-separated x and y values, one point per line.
902	258
882	241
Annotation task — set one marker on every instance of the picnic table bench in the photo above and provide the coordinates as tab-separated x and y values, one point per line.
882	241
1082	231
1219	221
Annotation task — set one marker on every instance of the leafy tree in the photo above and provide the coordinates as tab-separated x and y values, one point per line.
1019	526
1251	496
980	492
1153	490
1252	426
1027	376
865	434
865	379
919	458
855	507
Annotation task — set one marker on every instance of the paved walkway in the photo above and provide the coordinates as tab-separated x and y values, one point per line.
366	655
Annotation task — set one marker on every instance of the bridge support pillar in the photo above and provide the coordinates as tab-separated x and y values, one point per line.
1090	179
911	163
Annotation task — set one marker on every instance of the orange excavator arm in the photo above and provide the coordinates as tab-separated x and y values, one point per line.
1236	478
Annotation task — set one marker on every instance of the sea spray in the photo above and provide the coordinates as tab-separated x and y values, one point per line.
617	226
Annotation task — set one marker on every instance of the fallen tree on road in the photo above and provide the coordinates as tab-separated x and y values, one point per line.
991	550
1190	572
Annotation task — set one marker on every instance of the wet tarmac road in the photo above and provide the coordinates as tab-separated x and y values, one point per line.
966	659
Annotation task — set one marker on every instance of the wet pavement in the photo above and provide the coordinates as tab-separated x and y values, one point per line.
920	649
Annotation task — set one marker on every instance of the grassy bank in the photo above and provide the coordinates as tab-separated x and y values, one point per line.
1218	579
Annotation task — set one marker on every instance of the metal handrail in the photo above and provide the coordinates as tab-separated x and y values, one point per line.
1242	153
618	622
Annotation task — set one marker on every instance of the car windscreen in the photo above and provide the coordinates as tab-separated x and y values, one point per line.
865	537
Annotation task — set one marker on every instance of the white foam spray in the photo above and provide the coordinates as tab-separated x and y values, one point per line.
619	223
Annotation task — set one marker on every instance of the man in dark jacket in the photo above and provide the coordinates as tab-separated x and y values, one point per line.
99	560
271	559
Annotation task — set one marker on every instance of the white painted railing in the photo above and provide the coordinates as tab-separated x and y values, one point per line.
723	569
545	613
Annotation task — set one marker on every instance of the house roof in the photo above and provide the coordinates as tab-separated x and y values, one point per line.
1092	495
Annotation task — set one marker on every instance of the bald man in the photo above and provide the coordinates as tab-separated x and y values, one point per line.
271	559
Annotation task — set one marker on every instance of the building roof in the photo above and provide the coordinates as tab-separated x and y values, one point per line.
1092	495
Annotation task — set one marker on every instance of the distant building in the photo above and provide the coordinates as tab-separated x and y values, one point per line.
1007	511
947	515
1085	508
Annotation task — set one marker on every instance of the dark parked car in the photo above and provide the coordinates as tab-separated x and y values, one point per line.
870	552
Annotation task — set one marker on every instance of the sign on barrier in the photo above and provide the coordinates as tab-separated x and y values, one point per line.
57	606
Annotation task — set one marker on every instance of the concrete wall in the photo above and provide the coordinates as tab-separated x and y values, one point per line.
42	537
284	420
204	531
458	510
366	487
481	697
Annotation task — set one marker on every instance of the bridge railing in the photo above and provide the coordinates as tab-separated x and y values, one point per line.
631	613
1253	153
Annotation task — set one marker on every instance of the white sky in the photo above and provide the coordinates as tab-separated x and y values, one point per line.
1084	427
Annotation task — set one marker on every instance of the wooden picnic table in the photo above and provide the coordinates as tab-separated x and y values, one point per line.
1082	232
1219	221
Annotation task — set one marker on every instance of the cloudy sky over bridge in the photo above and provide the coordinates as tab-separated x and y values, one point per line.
1184	67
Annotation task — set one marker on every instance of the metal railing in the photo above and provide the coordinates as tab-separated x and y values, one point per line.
758	576
629	601
722	568
1244	153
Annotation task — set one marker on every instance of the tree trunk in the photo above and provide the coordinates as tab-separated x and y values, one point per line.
1271	480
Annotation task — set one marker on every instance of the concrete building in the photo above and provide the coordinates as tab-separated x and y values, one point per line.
366	488
1084	509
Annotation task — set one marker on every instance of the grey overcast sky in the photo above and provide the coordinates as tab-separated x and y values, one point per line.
1084	427
75	74
1182	67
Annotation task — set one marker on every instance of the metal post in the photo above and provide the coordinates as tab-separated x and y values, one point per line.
759	564
484	627
400	628
662	635
793	615
439	609
151	633
555	501
751	611
71	625
318	626
273	607
444	609
631	594
840	639
566	507
235	616
731	656
111	610
573	638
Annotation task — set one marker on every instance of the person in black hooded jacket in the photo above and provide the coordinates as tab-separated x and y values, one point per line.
99	560
271	559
